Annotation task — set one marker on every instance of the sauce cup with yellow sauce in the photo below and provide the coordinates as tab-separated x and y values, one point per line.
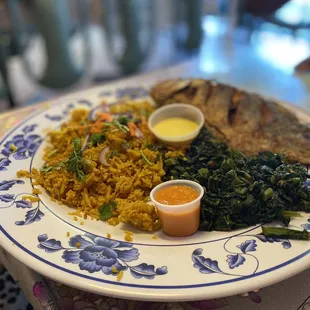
178	206
176	124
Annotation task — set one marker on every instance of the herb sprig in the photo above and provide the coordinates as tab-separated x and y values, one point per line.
97	138
118	126
145	159
114	153
76	163
46	168
106	210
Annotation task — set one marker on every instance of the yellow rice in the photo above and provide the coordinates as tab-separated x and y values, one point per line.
127	181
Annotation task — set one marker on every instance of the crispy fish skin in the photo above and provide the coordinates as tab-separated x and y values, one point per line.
244	120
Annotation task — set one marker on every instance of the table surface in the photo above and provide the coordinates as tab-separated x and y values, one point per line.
287	295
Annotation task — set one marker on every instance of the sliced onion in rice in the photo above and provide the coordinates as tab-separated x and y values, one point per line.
103	156
139	134
85	142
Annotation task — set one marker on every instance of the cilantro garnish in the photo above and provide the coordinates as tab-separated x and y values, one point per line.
76	162
123	120
113	153
145	159
145	112
97	138
106	210
118	126
51	154
46	168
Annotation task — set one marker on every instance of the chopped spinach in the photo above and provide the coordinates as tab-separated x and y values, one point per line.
240	191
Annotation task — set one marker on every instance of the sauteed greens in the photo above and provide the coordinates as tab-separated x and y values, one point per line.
241	191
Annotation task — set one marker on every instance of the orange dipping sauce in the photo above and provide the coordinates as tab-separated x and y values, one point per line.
178	208
176	195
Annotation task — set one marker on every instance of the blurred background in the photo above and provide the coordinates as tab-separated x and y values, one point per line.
51	47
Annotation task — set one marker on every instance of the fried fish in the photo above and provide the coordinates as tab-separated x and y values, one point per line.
244	120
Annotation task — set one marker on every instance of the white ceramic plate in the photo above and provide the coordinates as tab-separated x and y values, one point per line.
202	266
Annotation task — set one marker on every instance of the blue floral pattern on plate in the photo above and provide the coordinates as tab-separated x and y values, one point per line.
21	146
59	117
234	260
306	226
4	163
31	216
94	254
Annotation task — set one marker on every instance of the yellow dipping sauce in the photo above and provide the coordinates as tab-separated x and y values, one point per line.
175	127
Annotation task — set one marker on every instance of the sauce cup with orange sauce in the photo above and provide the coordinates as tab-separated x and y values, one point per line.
178	206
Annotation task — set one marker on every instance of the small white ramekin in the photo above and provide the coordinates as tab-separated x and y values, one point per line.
186	216
176	110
